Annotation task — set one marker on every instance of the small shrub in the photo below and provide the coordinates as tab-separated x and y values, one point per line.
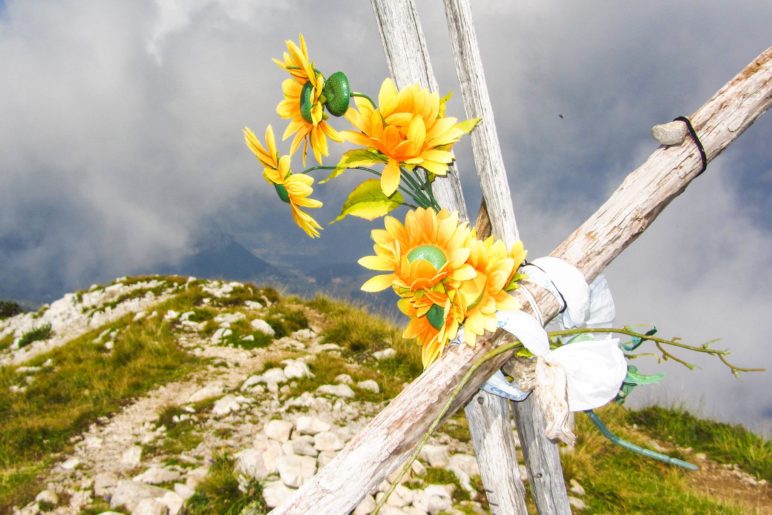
220	492
9	309
42	332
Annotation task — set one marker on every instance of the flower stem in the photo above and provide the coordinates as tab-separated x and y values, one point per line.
358	94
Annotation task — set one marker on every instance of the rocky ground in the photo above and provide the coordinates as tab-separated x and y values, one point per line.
260	405
237	406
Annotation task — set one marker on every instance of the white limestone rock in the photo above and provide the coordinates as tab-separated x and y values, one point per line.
262	326
435	455
384	354
306	425
250	463
327	441
230	404
129	494
296	369
278	430
366	506
344	379
270	450
207	392
337	390
369	385
48	497
276	493
156	475
150	507
294	470
301	446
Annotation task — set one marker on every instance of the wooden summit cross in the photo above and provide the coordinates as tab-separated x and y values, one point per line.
391	436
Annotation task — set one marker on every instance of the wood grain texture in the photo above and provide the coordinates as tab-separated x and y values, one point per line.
490	423
388	439
495	446
408	59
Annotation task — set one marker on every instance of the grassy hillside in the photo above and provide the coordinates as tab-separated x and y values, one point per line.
46	403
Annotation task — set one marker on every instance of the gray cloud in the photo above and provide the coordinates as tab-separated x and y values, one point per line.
121	140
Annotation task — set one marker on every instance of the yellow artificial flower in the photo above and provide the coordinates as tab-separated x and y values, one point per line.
296	61
292	188
487	292
426	262
302	104
408	128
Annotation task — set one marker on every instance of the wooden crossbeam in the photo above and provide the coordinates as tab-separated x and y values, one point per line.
388	438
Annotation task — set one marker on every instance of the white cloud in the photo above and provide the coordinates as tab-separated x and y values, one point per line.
121	137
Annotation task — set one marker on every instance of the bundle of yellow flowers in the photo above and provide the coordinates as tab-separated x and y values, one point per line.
444	276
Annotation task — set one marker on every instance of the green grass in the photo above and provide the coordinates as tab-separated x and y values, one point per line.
6	341
9	309
85	383
219	492
618	481
180	435
360	334
42	332
724	443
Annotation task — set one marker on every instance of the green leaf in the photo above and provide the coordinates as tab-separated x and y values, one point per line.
369	202
634	377
354	158
468	125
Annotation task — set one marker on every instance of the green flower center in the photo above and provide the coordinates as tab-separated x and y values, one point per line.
436	316
306	101
429	253
282	192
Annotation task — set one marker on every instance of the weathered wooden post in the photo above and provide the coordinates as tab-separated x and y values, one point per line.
389	438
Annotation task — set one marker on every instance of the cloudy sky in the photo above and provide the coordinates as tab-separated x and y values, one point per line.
120	142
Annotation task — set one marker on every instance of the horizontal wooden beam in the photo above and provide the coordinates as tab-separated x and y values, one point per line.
388	439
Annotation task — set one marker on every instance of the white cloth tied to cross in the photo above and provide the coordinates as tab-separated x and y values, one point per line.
577	376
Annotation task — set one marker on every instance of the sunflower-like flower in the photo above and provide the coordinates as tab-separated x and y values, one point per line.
426	261
408	128
487	292
303	104
294	189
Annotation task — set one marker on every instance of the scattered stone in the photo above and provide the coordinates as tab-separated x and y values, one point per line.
401	497
465	463
129	494
184	491
70	464
369	385
207	392
229	404
226	319
327	441
104	483
337	390
132	456
271	452
433	499
250	463
366	506
278	430
48	497
294	470
262	326
276	493
196	475
150	507
384	354
576	503
306	425
171	315
302	446
157	475
576	488
418	468
254	305
324	458
304	335
435	455
297	369
344	379
274	375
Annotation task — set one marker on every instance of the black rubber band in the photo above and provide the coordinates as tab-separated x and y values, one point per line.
696	140
562	298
